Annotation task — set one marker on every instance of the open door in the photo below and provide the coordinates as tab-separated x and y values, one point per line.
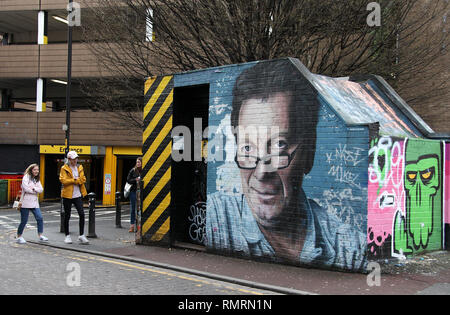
188	186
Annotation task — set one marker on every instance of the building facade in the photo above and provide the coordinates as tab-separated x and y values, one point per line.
33	75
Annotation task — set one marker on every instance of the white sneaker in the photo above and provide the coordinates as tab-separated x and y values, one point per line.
83	239
42	238
68	240
21	240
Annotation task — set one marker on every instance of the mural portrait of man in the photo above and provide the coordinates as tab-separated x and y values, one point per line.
274	116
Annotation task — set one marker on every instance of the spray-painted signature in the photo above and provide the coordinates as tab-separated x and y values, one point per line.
197	229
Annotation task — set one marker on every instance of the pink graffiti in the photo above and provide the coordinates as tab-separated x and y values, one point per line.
386	194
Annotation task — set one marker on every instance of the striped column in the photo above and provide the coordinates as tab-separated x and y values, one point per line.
41	95
156	160
42	28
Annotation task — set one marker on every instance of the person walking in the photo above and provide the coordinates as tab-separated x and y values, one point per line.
31	187
72	178
134	176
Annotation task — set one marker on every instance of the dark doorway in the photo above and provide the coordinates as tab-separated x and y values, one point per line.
52	189
188	182
96	178
127	162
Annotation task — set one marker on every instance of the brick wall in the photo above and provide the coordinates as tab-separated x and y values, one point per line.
311	212
303	214
405	196
303	186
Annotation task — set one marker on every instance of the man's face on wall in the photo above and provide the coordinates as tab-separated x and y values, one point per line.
268	187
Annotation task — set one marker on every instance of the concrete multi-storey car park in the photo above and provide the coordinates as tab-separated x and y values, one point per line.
33	105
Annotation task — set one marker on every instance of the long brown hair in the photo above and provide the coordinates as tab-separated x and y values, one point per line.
136	168
29	172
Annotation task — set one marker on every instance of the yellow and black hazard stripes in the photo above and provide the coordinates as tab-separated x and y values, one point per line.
156	160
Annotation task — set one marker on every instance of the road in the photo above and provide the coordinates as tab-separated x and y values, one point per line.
36	269
76	269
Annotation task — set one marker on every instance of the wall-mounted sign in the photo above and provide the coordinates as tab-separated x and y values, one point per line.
59	149
107	184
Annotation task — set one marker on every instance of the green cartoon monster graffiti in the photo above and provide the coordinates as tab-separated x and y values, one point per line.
423	226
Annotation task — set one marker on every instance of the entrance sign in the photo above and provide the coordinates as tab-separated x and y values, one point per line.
60	149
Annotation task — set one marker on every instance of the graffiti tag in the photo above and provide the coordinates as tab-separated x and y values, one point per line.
197	229
343	157
339	203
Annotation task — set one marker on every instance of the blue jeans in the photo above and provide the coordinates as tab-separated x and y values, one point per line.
24	212
133	207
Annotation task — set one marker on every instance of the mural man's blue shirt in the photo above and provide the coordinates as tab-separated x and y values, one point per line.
231	227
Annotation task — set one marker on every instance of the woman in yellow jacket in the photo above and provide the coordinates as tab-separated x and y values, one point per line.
72	178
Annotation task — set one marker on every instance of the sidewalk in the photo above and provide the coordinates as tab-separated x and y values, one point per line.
423	274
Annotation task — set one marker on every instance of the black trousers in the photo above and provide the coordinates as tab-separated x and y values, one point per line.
78	202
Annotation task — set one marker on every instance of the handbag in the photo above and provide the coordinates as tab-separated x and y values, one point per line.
18	202
126	190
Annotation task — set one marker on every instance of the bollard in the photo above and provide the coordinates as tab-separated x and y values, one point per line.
61	223
118	211
91	233
138	234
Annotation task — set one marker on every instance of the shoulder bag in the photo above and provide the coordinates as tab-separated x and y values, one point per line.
18	202
126	190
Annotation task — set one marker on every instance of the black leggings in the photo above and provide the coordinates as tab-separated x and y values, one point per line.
78	202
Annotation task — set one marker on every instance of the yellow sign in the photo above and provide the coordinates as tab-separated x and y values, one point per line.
127	151
59	149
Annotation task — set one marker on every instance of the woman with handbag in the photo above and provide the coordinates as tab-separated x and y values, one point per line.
134	177
31	187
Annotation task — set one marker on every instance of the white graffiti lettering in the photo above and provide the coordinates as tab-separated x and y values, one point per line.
341	158
197	229
392	157
342	155
339	204
344	176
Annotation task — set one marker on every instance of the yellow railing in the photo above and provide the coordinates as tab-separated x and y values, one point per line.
14	188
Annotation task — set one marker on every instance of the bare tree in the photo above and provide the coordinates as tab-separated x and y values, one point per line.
330	37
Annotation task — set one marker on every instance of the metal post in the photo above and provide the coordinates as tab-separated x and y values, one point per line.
69	81
118	211
66	128
91	233
138	235
61	226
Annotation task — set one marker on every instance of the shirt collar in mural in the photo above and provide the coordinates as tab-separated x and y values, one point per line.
255	237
